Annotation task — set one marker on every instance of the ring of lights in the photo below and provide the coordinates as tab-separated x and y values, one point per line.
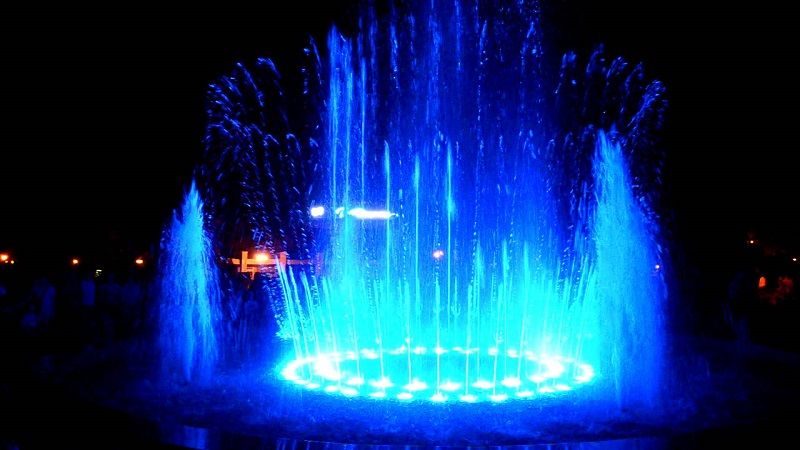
438	375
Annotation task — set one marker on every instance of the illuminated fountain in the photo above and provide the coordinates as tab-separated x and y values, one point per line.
464	250
189	307
486	236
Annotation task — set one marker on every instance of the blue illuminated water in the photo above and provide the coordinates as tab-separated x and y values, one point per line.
485	235
190	297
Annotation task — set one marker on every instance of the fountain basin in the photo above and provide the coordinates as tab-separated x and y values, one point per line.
439	375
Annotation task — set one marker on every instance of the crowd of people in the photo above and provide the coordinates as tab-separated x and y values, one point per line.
762	303
70	310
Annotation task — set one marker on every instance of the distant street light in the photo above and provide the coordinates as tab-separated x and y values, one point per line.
366	214
317	211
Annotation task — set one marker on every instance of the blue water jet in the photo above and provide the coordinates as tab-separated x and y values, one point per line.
483	239
190	297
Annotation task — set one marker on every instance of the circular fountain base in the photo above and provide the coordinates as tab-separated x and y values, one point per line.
715	385
438	374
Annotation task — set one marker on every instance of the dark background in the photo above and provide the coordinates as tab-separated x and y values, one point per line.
103	112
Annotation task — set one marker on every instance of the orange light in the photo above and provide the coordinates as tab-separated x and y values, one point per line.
438	254
139	261
75	261
12	261
262	257
762	282
4	257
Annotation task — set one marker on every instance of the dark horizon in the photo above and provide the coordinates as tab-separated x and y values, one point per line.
107	113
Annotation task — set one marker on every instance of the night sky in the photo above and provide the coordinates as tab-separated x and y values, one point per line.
103	110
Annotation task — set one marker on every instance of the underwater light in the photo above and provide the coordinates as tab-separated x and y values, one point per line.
498	398
450	386
483	384
383	383
438	398
349	392
469	398
355	381
416	385
452	375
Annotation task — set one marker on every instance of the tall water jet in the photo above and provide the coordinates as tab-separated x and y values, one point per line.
189	307
485	240
627	310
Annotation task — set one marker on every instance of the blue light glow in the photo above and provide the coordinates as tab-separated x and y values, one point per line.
416	385
189	308
364	376
483	384
438	398
507	252
355	381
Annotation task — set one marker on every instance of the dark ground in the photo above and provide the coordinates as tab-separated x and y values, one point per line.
721	393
